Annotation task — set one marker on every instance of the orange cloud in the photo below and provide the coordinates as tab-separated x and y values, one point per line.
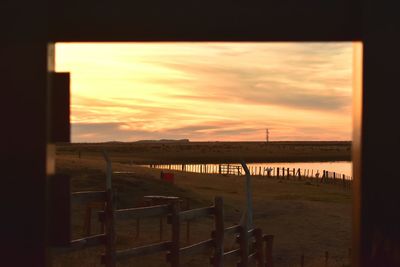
209	91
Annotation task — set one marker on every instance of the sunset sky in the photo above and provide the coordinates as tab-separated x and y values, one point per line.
209	91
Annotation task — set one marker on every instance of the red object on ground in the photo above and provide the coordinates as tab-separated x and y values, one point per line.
168	177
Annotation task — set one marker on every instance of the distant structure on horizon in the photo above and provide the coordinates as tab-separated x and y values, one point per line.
267	135
165	141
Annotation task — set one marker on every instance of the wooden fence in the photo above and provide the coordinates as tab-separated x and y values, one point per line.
254	247
326	177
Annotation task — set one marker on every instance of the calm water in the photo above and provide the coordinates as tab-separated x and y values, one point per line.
340	167
343	167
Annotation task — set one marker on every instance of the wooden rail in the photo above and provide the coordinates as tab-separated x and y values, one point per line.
251	241
252	244
138	213
78	244
198	248
232	253
196	213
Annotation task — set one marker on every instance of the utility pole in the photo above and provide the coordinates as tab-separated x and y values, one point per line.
267	135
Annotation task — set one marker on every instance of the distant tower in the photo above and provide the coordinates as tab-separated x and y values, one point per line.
267	135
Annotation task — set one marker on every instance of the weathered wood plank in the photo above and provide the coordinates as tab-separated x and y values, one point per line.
232	230
197	248
82	243
232	254
196	213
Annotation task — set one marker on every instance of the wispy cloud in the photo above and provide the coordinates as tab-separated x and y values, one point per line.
209	91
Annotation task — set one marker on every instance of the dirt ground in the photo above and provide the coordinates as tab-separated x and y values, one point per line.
305	217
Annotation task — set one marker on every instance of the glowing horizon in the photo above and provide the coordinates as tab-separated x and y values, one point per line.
208	91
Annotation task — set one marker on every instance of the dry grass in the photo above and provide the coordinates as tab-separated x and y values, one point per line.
304	217
214	152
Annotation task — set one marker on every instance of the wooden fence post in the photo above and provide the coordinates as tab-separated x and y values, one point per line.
277	172
176	229
269	240
109	259
259	247
218	258
344	180
110	231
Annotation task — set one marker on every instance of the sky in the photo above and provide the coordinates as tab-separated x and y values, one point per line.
209	91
